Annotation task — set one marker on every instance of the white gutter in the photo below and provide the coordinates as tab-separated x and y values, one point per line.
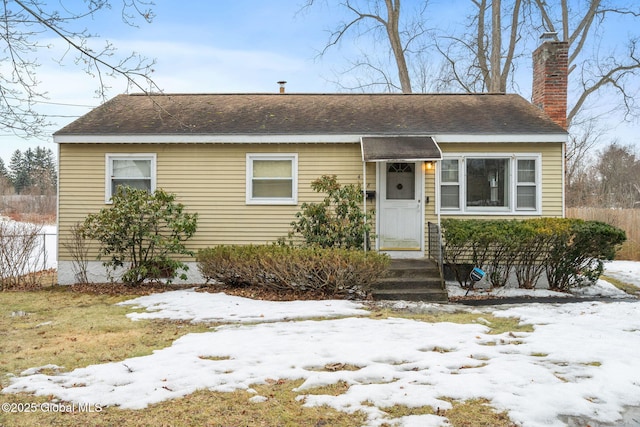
291	139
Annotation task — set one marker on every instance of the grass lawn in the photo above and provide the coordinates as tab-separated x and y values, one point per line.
74	329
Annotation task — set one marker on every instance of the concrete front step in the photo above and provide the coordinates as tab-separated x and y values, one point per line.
411	280
413	267
429	295
390	283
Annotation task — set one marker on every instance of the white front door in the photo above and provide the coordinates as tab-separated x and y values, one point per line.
400	212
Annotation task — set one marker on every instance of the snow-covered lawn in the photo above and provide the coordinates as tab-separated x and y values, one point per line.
580	361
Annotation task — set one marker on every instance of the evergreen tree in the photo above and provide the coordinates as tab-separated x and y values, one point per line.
4	173
43	171
33	171
19	172
5	180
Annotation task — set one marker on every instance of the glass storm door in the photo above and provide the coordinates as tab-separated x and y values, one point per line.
400	215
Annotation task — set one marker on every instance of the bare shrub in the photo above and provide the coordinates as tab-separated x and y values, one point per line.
29	208
314	271
22	251
78	247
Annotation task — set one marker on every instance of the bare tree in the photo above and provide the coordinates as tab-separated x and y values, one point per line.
24	23
618	170
483	59
580	173
381	20
590	69
498	35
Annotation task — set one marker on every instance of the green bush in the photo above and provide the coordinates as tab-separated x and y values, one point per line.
534	239
142	231
569	251
490	244
576	257
338	221
320	272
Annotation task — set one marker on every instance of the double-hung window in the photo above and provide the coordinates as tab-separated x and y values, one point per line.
272	179
130	170
450	184
490	183
526	184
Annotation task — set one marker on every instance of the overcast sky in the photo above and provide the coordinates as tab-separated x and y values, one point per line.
226	46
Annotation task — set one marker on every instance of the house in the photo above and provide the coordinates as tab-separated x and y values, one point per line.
245	162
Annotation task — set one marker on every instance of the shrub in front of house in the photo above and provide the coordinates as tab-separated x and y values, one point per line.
143	233
493	245
577	258
569	251
309	270
338	221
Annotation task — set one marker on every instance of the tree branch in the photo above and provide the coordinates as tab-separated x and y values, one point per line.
129	75
613	77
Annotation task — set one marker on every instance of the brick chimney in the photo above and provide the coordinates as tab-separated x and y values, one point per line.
550	74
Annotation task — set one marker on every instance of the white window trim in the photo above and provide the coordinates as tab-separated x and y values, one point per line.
537	184
440	184
462	182
109	157
293	200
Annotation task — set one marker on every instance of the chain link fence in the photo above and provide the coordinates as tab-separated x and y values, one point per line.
25	249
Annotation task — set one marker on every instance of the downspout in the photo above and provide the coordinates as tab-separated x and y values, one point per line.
437	189
364	198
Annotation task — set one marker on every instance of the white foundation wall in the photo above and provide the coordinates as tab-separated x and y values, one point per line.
97	273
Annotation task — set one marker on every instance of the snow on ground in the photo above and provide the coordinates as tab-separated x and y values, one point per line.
579	362
626	271
206	307
45	254
50	251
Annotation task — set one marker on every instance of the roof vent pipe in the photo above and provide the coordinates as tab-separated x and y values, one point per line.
282	83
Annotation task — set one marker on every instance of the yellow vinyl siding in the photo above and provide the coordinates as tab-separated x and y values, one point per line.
210	180
430	207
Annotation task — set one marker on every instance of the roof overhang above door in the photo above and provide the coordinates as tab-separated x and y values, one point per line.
384	148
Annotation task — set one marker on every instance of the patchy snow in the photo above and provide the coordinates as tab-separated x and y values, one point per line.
207	307
579	363
626	271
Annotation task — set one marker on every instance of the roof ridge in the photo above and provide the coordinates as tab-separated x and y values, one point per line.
317	94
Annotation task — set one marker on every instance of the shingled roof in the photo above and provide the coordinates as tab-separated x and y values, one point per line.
323	114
